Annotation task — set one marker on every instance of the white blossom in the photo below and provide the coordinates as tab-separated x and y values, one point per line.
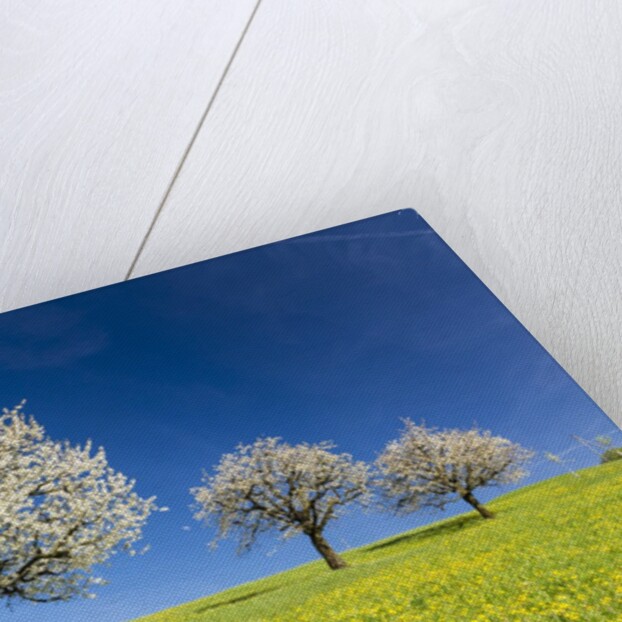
427	466
271	485
62	511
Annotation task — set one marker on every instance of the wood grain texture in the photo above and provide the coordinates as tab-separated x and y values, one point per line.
499	121
98	102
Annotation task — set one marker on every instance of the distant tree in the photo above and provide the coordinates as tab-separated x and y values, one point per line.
430	467
600	446
271	485
596	445
603	440
62	510
614	453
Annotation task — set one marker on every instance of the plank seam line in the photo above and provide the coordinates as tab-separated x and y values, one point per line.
193	138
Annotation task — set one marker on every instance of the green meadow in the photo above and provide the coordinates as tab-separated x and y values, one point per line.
553	552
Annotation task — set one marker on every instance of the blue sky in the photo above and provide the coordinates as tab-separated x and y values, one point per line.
331	336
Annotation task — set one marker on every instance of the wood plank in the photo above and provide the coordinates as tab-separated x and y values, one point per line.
499	121
98	102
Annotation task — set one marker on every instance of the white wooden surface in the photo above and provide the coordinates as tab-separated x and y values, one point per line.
499	121
98	101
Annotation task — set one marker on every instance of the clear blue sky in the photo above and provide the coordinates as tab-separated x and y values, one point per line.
331	336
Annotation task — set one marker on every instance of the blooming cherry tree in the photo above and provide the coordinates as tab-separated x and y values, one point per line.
62	511
427	466
293	489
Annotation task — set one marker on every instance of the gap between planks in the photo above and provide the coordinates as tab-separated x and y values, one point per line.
193	138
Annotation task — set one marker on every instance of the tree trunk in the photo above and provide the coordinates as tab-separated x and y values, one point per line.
326	551
471	500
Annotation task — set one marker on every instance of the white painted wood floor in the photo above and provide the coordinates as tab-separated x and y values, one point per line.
139	136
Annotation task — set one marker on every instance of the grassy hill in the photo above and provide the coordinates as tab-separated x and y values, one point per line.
554	552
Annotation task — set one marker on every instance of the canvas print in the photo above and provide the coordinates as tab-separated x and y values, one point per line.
343	426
